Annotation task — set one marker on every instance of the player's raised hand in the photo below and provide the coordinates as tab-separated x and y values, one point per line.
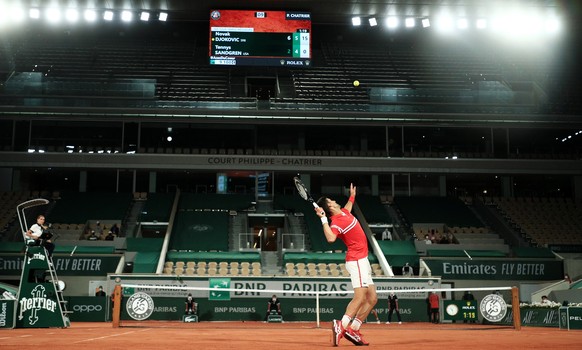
352	190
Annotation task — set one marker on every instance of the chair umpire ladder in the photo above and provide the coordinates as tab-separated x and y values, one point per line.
40	301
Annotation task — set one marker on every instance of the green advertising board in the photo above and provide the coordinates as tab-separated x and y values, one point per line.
7	313
532	316
524	270
87	309
255	309
76	265
218	284
570	317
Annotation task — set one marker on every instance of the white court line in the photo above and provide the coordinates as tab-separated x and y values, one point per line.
26	335
109	336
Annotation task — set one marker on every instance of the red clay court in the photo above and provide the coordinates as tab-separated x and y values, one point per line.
160	335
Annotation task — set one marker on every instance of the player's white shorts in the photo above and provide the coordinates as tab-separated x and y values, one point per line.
360	272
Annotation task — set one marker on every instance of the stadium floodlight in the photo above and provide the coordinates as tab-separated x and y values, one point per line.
16	14
72	15
90	15
553	26
108	15
34	13
126	16
462	23
356	21
425	22
373	22
144	16
53	15
445	24
481	23
392	22
410	22
163	16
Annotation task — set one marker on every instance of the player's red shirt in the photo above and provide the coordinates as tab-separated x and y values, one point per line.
348	229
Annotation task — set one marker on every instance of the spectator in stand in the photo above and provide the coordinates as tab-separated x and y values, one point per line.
115	230
407	270
545	300
93	236
427	239
567	278
386	235
98	229
110	236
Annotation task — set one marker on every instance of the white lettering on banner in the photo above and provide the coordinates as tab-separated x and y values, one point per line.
10	264
38	302
311	310
316	287
264	161
3	315
165	309
234	309
87	308
86	265
62	264
331	289
509	269
252	285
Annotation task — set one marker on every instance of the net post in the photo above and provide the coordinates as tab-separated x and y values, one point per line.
116	306
515	308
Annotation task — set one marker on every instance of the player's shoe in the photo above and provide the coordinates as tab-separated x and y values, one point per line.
337	332
355	337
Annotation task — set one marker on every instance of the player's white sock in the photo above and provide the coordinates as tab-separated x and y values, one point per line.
356	324
346	321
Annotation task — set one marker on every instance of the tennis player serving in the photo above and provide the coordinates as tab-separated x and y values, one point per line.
339	222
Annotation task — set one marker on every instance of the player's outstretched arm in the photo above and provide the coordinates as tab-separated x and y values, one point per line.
352	198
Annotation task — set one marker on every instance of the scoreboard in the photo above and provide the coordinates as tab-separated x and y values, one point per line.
260	38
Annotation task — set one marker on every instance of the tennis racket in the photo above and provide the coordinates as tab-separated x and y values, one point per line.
303	191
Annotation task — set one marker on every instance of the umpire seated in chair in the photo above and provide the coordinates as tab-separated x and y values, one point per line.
274	310
38	235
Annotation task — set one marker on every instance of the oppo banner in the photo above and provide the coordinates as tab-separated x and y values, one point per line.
87	309
11	264
524	270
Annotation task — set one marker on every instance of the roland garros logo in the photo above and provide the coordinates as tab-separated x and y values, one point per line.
140	306
493	308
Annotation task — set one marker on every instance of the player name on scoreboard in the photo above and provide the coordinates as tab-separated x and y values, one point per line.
245	42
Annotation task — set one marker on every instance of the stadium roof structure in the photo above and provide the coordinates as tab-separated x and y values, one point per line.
323	11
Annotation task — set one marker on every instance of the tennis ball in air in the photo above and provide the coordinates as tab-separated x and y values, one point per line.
356	83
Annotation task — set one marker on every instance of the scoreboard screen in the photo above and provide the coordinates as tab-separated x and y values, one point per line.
260	38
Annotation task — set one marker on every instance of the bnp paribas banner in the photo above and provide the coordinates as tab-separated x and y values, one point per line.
76	265
525	270
226	288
